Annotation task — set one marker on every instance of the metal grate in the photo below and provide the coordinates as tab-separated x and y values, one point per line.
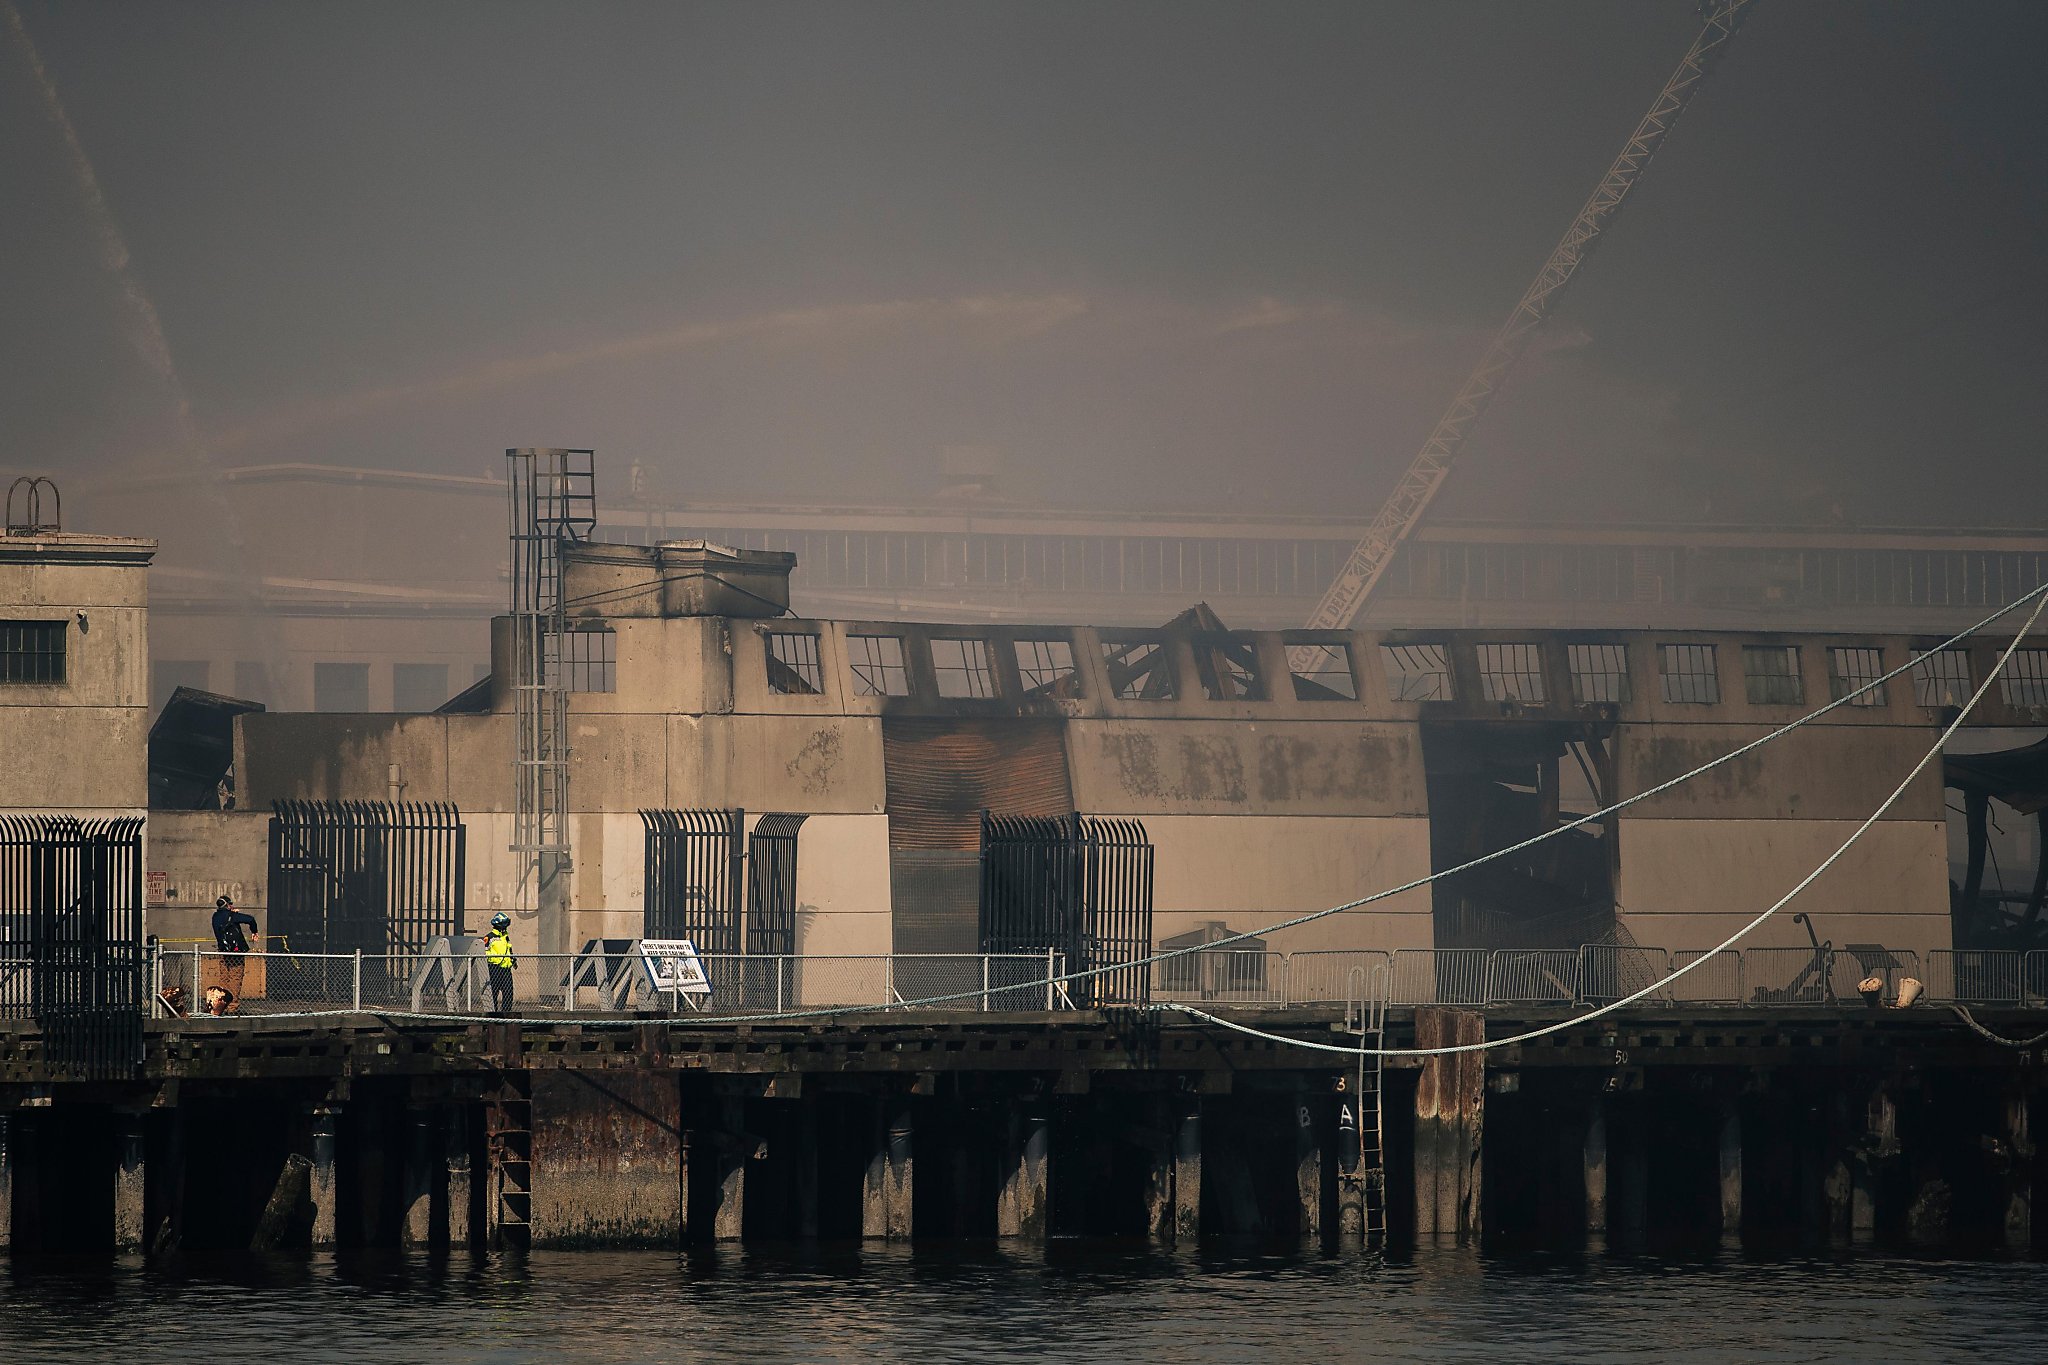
1770	675
2025	679
1689	676
1942	678
1322	672
1851	667
71	939
877	664
32	651
365	876
1047	668
1511	672
1139	670
1417	672
771	884
588	660
1075	886
692	878
1599	673
961	667
793	667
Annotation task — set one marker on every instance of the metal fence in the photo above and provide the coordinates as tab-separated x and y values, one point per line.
71	947
610	977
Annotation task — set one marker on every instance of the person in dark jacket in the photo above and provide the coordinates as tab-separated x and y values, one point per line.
228	924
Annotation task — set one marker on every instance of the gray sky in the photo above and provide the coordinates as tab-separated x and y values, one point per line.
1174	255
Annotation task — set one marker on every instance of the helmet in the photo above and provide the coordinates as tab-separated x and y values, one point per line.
224	903
501	920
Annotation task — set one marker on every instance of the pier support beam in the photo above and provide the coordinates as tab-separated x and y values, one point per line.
1731	1172
418	1178
1176	1187
730	1155
8	1129
2019	1180
1450	1111
130	1208
607	1159
1023	1204
885	1207
322	1182
1596	1167
457	1129
1309	1165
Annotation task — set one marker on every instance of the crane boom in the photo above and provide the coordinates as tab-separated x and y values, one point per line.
1346	596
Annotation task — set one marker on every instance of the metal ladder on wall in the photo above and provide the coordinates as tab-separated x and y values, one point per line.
1366	1014
510	1131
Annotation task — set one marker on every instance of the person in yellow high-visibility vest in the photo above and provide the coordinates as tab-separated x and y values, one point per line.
498	954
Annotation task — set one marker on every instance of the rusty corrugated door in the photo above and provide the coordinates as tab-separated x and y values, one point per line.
941	774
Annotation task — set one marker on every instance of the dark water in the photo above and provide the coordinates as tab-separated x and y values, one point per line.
1074	1303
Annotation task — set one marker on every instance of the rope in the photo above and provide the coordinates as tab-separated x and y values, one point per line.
2038	595
1986	1033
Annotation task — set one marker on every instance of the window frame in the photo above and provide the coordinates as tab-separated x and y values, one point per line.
1840	684
862	687
1607	652
1061	683
1397	652
1498	683
1158	667
2032	675
1343	663
23	663
987	670
1756	685
1931	681
807	672
1667	676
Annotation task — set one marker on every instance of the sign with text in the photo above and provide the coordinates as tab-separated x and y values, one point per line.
672	965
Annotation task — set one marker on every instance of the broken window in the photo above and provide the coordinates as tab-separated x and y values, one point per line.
878	668
590	658
32	651
1599	673
1047	668
1942	678
1689	674
1851	668
2025	679
1417	672
1322	672
1771	675
1511	672
793	666
962	668
1138	670
1229	668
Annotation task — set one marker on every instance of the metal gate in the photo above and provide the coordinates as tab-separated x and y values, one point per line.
365	876
1078	886
771	884
693	883
71	939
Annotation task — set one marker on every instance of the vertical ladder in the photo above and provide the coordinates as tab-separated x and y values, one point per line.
1372	1147
509	1114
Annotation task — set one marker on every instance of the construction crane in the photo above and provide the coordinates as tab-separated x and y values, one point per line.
1347	595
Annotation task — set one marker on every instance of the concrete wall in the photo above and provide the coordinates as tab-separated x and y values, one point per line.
79	745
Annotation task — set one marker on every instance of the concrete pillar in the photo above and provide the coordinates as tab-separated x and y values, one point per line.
607	1159
885	1209
1022	1205
1308	1163
322	1183
1880	1146
417	1178
1731	1173
1351	1176
2019	1196
129	1206
456	1129
7	1132
729	1223
1596	1167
